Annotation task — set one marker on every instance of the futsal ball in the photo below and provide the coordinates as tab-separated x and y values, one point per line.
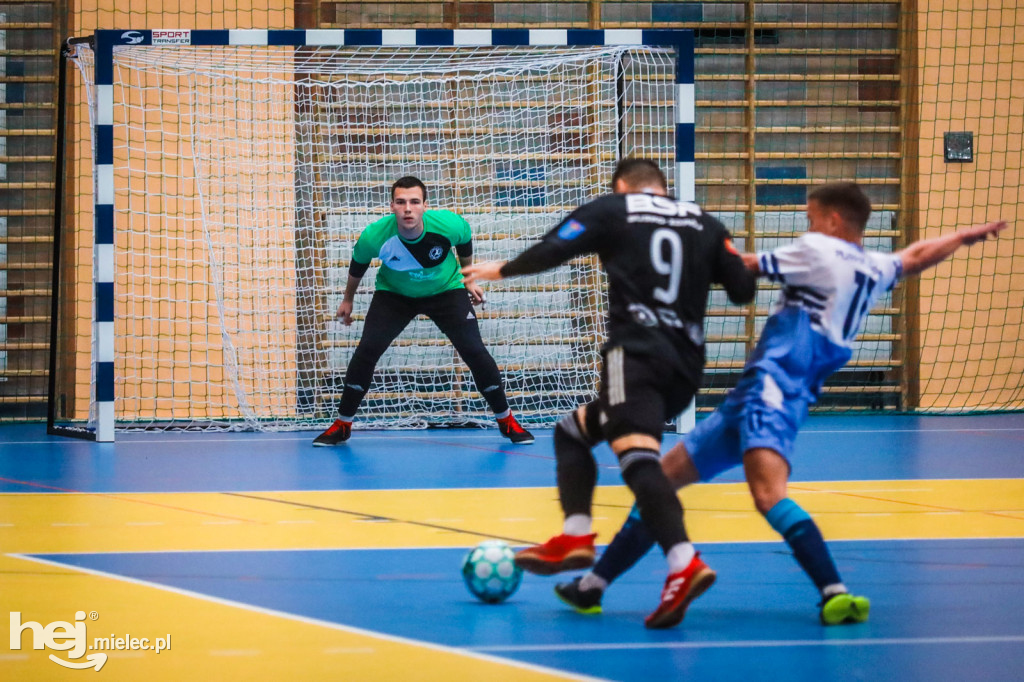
490	571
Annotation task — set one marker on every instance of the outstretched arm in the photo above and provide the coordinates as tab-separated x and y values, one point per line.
541	256
482	272
579	233
923	254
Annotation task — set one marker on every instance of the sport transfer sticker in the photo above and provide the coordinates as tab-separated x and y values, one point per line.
172	37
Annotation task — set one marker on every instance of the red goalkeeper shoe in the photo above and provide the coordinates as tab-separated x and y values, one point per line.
512	430
338	432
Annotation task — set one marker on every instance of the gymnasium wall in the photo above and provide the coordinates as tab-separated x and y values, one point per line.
172	326
970	71
961	70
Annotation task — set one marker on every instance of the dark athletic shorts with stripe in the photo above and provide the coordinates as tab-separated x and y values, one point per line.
639	394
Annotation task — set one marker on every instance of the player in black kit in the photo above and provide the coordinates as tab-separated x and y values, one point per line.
661	256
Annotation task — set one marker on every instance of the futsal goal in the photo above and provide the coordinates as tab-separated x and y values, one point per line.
231	172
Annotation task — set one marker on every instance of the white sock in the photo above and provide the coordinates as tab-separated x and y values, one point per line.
593	581
576	524
680	556
504	415
832	590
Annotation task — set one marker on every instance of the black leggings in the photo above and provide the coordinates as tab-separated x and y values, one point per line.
389	313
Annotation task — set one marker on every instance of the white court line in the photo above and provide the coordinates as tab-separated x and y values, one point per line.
13	657
236	652
489	434
193	550
130	495
321	623
769	643
801	491
859	490
974	430
350	650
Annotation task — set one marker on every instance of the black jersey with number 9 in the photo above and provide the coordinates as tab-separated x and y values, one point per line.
661	256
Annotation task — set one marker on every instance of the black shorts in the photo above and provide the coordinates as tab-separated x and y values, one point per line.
639	394
390	313
452	307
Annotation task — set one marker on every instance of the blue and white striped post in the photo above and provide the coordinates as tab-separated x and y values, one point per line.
686	117
103	243
686	164
105	42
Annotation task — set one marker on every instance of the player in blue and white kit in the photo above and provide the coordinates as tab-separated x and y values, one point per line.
829	284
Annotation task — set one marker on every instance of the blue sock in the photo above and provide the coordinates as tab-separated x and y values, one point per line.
628	546
803	537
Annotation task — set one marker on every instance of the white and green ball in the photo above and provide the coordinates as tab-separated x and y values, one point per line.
490	571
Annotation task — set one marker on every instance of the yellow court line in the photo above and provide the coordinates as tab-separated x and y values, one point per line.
216	638
846	510
234	641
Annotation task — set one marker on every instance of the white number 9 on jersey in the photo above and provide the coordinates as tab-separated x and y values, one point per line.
672	267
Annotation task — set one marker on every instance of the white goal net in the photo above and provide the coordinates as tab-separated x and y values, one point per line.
244	175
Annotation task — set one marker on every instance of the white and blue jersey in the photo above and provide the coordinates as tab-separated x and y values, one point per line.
828	288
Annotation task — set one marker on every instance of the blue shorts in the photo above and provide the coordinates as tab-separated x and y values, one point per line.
754	415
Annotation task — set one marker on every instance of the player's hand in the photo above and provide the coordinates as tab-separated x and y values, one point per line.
980	233
751	261
476	293
345	313
482	272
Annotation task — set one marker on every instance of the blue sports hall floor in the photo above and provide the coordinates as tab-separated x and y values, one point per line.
257	556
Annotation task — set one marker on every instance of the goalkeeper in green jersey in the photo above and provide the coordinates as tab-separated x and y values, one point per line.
419	275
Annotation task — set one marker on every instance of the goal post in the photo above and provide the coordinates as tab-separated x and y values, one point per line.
233	170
